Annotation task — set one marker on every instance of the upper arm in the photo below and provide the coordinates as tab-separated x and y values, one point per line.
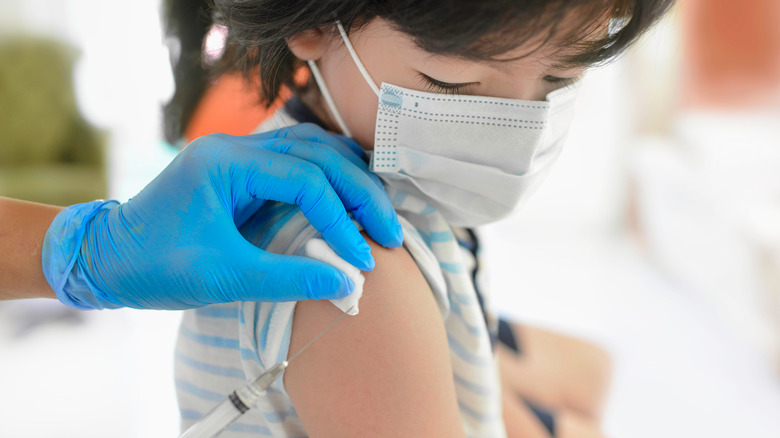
383	372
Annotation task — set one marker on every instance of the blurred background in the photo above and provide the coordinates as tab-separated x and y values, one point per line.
657	236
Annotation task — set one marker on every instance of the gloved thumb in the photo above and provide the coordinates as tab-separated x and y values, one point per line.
264	276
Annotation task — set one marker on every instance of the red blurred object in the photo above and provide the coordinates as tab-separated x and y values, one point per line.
229	106
732	53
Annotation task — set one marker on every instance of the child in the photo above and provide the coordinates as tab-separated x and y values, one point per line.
463	106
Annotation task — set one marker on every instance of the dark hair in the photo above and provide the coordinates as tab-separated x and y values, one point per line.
258	30
186	23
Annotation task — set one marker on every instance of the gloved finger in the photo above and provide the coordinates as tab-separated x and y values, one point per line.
308	133
351	144
345	147
311	132
367	201
272	277
289	179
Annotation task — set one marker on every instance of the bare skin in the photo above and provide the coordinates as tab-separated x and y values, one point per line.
520	422
568	375
22	228
557	371
384	372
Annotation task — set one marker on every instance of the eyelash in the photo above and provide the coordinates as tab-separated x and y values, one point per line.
440	87
436	86
564	82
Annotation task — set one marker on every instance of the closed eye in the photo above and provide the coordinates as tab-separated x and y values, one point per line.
562	82
437	86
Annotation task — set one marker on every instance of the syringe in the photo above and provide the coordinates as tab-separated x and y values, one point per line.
238	402
242	399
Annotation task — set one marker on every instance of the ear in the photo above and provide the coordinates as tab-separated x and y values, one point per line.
309	45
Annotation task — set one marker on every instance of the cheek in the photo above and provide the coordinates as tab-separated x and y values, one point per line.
361	115
354	99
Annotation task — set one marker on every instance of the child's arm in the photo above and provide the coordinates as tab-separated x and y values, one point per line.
384	372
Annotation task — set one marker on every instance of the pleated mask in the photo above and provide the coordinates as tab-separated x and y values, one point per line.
474	158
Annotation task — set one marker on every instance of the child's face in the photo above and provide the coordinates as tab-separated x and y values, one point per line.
393	57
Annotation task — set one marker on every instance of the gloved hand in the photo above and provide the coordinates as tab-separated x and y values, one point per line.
176	245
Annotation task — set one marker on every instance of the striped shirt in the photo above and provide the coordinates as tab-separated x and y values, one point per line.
221	347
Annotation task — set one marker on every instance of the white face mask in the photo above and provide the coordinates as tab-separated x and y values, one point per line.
474	158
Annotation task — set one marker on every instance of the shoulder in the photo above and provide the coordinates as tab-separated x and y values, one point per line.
388	366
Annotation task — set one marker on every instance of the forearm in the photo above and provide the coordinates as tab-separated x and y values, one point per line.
22	228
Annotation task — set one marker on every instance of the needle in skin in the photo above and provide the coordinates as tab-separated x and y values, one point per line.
319	335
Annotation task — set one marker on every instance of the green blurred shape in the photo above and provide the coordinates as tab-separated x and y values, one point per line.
48	152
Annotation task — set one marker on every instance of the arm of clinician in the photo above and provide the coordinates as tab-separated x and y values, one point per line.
176	245
22	227
383	373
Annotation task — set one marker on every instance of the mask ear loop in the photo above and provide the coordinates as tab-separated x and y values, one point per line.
324	89
355	57
315	71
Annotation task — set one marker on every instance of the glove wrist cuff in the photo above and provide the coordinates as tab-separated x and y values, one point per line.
62	246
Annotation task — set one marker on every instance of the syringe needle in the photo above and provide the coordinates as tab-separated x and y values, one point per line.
242	399
318	335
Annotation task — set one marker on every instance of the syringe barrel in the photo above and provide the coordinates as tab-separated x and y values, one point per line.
236	404
213	423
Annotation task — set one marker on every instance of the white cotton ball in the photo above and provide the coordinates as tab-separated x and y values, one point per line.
319	250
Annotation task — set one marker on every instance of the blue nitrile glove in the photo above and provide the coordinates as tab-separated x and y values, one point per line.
176	244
